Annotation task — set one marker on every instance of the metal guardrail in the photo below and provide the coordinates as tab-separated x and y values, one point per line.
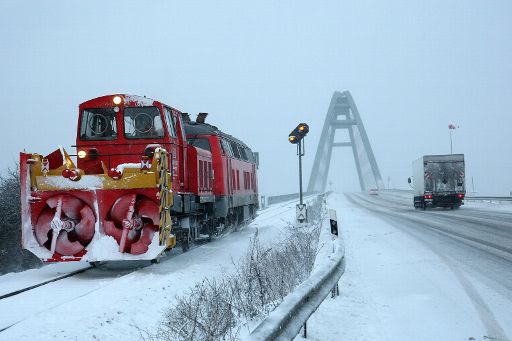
466	198
275	199
285	322
490	198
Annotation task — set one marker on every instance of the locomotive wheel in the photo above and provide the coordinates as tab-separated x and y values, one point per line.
66	225
185	241
132	222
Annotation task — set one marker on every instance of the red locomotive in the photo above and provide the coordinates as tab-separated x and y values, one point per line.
145	176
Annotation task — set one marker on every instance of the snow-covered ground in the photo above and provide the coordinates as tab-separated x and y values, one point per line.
405	285
114	304
402	282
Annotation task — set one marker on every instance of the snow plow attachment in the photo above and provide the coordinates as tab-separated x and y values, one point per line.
121	214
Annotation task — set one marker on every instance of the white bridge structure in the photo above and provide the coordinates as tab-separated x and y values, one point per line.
343	114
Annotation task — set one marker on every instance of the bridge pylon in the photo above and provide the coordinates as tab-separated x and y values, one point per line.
343	114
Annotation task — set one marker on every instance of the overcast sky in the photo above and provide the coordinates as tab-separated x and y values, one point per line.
261	67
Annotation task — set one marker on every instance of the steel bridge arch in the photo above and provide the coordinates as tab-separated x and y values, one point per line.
343	105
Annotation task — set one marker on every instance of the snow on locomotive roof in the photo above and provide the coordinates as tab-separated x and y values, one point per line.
194	128
139	101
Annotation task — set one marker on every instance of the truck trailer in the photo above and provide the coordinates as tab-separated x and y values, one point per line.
439	181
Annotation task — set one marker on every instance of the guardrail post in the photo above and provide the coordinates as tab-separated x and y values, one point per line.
334	222
335	290
334	231
305	335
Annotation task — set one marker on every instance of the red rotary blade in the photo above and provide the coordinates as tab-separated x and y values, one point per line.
65	247
71	206
142	245
134	219
42	226
119	210
148	209
85	228
66	225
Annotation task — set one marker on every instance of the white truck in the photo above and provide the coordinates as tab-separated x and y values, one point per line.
439	181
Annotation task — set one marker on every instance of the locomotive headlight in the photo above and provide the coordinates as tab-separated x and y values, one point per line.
82	154
117	100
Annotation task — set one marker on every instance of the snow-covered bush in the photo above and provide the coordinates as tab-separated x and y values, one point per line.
216	309
204	313
12	257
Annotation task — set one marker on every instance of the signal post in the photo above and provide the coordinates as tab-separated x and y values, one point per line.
297	137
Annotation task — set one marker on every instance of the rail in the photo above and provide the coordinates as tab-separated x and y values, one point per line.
19	291
285	322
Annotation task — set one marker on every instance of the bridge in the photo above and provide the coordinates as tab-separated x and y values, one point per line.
343	115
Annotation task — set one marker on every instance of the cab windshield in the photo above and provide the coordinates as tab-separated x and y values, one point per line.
143	123
98	124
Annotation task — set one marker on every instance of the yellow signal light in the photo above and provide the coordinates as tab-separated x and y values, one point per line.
117	100
292	138
301	128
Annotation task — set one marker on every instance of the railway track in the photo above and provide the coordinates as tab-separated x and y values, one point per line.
278	210
19	291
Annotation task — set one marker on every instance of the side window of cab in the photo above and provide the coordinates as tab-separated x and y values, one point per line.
226	147
178	115
171	125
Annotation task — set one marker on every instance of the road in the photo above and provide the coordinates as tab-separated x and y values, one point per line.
474	242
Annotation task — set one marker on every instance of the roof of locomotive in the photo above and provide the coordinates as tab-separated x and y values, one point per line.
195	128
128	100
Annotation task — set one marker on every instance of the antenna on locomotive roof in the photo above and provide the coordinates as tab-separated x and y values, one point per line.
201	117
185	117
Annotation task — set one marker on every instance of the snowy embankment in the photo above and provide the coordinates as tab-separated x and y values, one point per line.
106	305
288	318
400	285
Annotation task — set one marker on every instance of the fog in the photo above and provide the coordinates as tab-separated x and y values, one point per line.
261	67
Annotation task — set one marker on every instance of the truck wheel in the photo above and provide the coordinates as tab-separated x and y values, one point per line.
424	206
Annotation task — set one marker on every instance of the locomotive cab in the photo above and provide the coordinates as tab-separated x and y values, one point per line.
119	130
